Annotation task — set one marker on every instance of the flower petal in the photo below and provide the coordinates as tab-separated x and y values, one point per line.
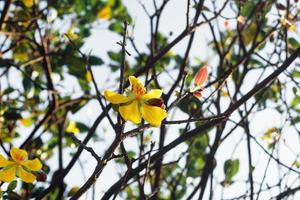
33	165
105	13
4	162
72	128
27	177
115	98
201	76
8	175
18	155
153	114
137	87
131	112
152	94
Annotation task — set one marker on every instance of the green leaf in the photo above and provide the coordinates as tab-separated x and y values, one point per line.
93	60
296	74
293	43
115	56
295	101
12	185
12	115
190	105
231	168
52	142
247	8
116	27
82	127
296	120
7	91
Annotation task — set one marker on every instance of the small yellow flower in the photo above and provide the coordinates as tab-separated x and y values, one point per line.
88	76
105	13
71	33
19	166
28	3
139	103
72	128
27	121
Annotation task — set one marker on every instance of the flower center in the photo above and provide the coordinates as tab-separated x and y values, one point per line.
19	158
138	91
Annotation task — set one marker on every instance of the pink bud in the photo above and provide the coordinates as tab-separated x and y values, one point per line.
156	102
201	76
226	24
41	176
241	19
197	94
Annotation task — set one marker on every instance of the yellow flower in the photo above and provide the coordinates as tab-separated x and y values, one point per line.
88	76
71	33
27	121
104	13
28	3
139	103
72	128
19	166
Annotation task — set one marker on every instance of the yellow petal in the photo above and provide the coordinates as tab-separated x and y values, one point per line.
28	3
27	177
131	112
72	128
18	155
33	165
105	13
88	76
152	94
8	175
4	162
27	121
71	33
115	98
137	87
153	114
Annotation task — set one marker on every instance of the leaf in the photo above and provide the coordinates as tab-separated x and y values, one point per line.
231	168
295	101
12	185
7	91
82	127
280	6
293	43
115	56
84	85
296	74
94	60
12	115
116	27
52	142
296	120
190	105
247	8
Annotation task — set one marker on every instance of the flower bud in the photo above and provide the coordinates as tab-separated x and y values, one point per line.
41	176
201	76
156	102
197	94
